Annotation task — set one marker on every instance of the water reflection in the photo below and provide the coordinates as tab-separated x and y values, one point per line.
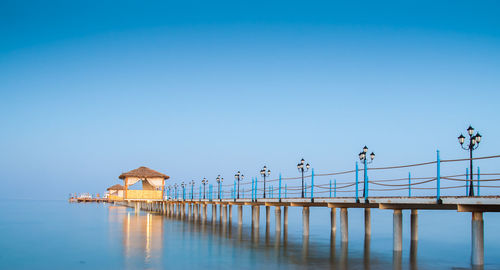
366	253
413	255
144	244
142	238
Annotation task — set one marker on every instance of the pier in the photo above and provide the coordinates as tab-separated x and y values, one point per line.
423	193
475	205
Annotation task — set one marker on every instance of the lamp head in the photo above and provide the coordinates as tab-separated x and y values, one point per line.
461	139
470	130
478	137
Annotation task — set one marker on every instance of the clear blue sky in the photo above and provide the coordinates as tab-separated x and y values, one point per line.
90	89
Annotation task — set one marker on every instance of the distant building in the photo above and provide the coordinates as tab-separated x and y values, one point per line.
115	193
153	184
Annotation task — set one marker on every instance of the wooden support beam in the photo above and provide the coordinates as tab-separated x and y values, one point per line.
436	206
478	208
353	205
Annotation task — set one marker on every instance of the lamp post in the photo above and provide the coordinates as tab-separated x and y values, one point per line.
264	172
192	189
238	176
176	186
204	182
474	141
363	158
219	181
301	169
169	188
183	185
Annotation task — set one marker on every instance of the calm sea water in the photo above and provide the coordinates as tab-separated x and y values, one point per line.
60	235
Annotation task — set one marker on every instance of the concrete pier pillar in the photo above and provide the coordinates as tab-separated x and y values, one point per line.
164	208
398	230
477	254
305	221
255	216
190	211
224	214
240	215
344	225
285	217
333	220
214	213
220	213
196	212
414	225
368	223
268	215
230	214
204	211
277	216
137	207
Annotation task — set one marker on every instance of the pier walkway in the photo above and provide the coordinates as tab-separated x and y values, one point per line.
421	188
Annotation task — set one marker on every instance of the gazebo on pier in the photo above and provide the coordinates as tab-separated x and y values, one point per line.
153	184
115	193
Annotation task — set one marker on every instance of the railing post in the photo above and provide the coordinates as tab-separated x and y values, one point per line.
409	184
357	198
330	188
252	190
466	181
335	188
438	182
478	180
285	191
312	185
279	192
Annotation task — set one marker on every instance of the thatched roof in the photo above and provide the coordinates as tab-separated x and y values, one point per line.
143	172
116	187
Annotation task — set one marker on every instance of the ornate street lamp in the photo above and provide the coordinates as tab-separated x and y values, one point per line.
219	181
204	182
169	193
264	172
192	189
183	185
176	186
238	176
474	141
363	158
301	169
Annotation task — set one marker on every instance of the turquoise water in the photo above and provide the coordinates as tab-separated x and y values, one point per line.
60	235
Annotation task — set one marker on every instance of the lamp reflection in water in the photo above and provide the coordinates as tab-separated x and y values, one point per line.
142	240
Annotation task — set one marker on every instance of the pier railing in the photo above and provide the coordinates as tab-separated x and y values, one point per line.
432	178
